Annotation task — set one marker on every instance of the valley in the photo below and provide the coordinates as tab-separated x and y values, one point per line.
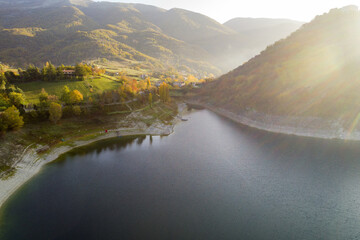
133	121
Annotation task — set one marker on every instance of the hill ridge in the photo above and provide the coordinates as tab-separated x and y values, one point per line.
72	31
312	73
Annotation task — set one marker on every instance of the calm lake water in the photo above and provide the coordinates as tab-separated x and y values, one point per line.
211	179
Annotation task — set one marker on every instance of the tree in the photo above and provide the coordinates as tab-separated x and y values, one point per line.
59	72
148	83
55	111
150	99
11	118
65	95
43	99
2	82
82	70
3	126
32	73
75	97
4	102
16	99
191	78
49	72
11	77
164	92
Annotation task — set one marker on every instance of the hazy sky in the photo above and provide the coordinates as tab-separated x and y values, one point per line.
223	10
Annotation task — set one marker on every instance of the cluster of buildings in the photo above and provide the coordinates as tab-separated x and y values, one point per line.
180	84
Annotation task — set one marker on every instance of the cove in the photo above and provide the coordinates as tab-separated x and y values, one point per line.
211	179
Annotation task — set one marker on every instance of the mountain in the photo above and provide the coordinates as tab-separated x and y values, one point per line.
263	31
31	4
250	24
313	73
69	31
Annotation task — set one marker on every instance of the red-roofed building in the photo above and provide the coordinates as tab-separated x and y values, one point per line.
69	72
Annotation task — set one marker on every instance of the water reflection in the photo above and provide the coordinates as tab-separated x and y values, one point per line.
140	140
113	144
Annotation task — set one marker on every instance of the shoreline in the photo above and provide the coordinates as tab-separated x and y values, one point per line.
30	163
303	127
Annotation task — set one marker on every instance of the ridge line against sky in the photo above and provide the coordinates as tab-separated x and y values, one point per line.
225	10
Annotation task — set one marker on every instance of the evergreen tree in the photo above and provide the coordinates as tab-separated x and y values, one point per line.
49	72
33	73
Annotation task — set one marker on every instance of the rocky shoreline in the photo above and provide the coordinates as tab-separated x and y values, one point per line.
31	161
305	126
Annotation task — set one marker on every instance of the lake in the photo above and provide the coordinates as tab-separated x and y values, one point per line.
211	179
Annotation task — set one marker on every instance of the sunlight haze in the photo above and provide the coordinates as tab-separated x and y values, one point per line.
179	119
225	10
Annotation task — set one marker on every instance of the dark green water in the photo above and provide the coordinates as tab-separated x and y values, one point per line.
211	179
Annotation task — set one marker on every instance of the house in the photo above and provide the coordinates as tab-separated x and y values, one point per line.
179	84
69	72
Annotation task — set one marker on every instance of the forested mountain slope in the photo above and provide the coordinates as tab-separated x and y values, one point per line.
313	73
68	31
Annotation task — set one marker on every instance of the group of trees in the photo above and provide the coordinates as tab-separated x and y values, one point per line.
9	94
51	73
71	97
129	89
53	105
69	102
11	100
50	106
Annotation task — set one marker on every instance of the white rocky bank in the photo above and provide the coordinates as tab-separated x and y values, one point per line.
300	126
30	163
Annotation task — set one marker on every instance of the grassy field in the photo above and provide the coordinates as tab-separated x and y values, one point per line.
87	87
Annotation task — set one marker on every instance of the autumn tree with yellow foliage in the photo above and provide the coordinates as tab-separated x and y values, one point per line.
150	99
164	92
75	97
